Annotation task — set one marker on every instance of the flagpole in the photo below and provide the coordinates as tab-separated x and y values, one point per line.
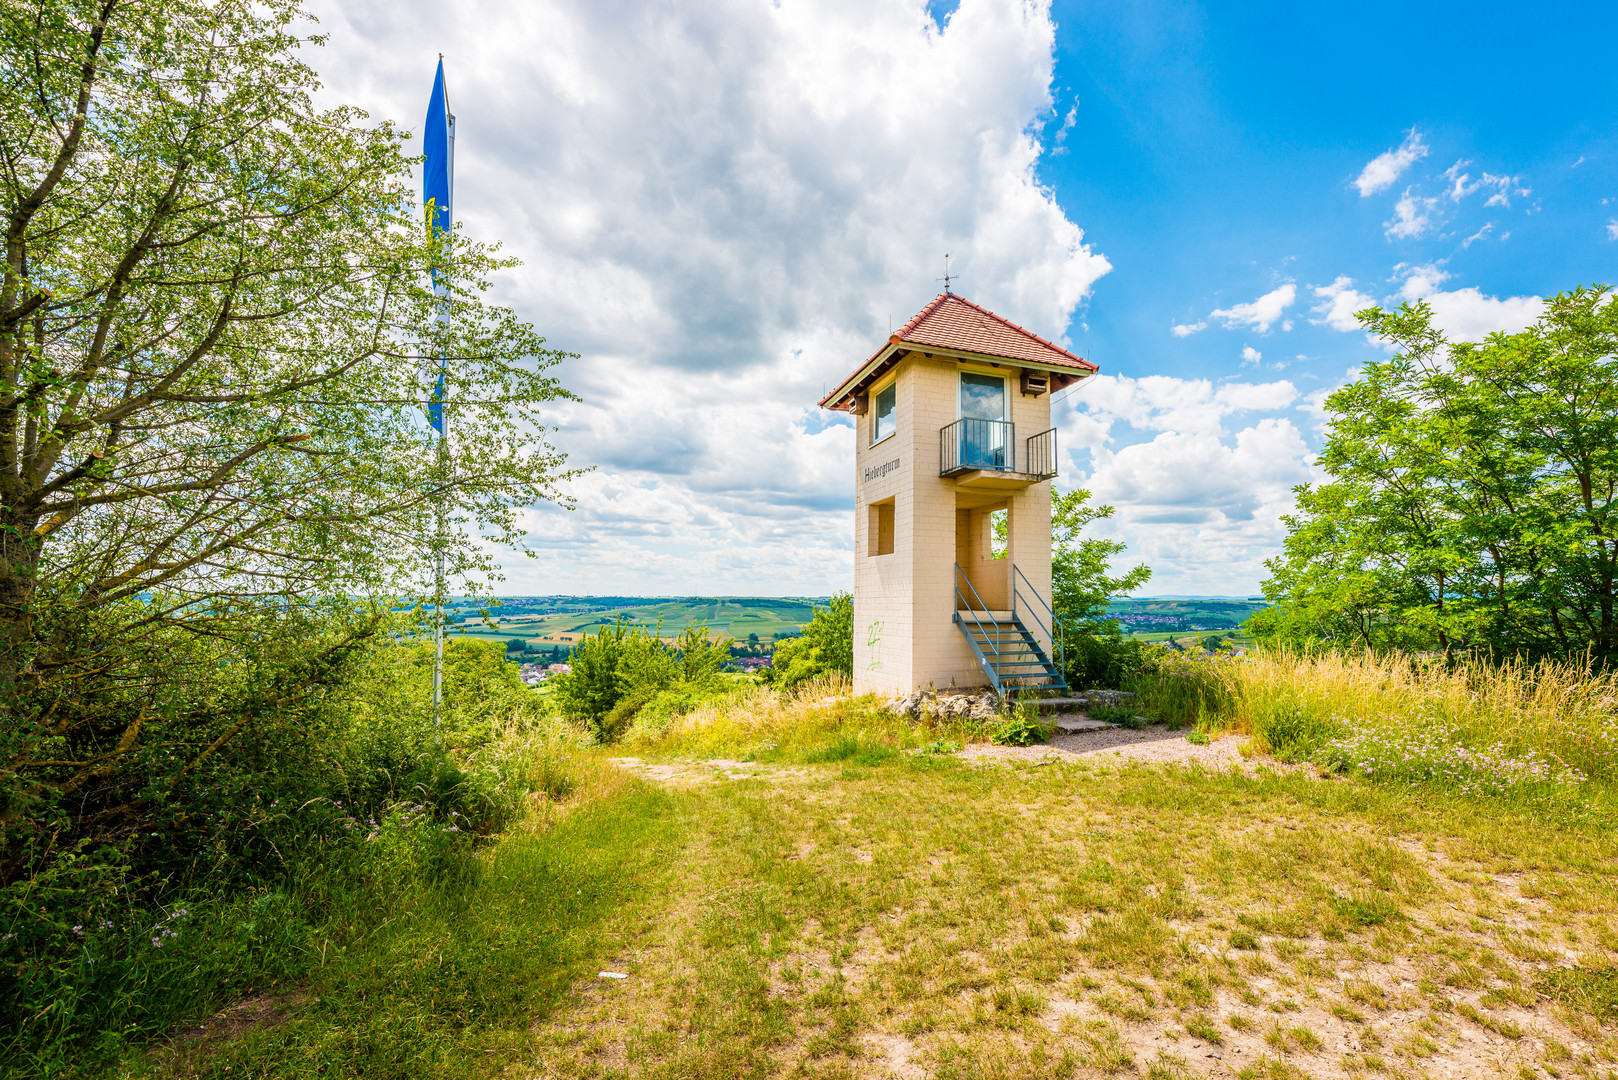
443	199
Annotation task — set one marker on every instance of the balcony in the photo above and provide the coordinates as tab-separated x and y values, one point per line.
985	454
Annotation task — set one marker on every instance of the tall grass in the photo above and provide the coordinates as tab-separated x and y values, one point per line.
1480	726
1566	711
764	724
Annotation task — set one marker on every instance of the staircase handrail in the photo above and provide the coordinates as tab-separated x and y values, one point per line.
960	605
1056	632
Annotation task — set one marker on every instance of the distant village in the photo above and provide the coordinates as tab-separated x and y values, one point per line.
535	674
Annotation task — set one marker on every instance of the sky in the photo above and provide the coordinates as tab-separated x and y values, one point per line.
723	207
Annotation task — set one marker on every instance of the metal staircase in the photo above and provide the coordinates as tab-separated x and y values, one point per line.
1008	650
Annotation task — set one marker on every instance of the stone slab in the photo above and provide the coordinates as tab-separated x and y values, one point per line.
1069	725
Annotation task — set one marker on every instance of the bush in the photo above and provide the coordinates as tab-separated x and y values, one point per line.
607	666
316	737
621	669
1023	727
1102	661
612	726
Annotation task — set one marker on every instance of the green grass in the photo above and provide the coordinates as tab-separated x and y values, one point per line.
846	899
425	985
1591	990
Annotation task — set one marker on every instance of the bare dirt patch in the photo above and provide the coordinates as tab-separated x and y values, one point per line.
194	1042
1156	744
709	771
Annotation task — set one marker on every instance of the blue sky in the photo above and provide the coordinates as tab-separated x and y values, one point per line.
1214	148
721	207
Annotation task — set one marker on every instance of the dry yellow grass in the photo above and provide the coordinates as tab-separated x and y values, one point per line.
1292	704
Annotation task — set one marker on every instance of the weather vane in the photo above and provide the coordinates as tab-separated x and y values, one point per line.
946	279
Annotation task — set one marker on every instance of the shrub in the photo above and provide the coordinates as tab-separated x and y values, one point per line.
1101	662
612	726
621	670
607	666
1022	727
313	754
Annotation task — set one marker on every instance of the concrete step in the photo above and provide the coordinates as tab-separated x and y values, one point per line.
1061	704
1069	725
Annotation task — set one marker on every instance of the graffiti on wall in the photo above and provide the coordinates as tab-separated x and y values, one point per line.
873	642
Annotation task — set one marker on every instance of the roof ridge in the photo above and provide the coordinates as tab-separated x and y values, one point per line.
965	329
997	318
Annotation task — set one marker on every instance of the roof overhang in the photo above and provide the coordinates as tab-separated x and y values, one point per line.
887	357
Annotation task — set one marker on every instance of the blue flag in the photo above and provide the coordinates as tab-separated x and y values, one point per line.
438	191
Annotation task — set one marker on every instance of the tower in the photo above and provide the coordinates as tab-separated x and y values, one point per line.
954	456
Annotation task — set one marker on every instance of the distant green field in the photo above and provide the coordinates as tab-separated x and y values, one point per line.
540	621
535	619
1155	619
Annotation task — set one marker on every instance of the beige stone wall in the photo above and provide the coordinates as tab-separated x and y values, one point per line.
904	633
883	623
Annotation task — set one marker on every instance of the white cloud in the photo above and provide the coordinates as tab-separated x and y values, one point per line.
1071	119
1250	355
1459	188
1504	187
1339	301
1382	171
1203	511
720	206
1187	329
1198	502
1412	217
1488	227
1612	229
1163	403
1467	314
1261	313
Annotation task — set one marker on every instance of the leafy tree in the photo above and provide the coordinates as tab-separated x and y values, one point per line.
826	644
1473	499
1082	584
217	328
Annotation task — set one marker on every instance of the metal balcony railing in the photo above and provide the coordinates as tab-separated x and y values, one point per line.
1040	456
977	444
991	445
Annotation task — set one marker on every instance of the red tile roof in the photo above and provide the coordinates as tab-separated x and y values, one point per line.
952	322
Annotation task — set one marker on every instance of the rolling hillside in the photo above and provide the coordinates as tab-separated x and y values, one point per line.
559	621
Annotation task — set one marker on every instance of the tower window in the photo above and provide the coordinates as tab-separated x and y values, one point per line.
883	412
879	540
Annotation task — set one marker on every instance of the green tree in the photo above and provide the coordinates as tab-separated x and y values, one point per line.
826	645
1471	501
217	331
1082	581
1082	585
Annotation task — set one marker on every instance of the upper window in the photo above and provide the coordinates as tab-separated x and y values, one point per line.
983	397
882	415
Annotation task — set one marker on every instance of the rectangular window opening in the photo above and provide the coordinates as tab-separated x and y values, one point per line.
999	533
884	412
879	541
